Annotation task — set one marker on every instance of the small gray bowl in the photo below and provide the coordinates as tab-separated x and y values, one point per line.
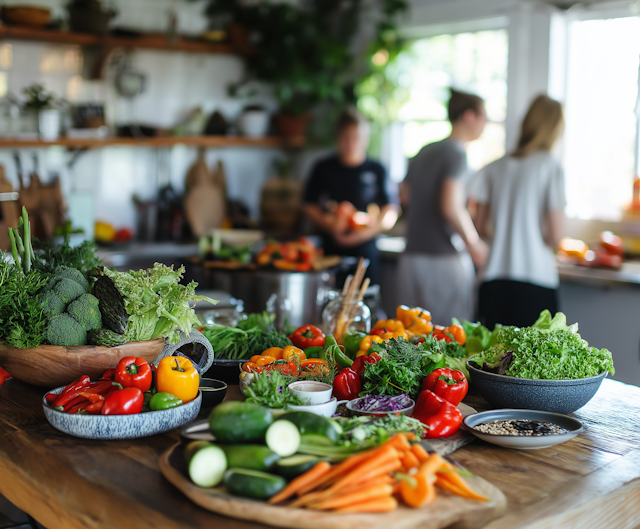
523	442
111	427
213	392
558	396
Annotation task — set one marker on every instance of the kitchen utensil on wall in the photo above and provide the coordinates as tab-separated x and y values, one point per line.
9	211
204	201
32	16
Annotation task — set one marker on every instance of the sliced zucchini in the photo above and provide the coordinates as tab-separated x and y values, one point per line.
309	423
206	463
283	437
294	466
253	484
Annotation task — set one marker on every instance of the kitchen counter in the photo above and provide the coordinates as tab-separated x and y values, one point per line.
122	255
592	481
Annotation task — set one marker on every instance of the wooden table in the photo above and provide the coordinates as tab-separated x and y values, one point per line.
66	482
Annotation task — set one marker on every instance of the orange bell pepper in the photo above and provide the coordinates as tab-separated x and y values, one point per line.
290	352
365	344
276	352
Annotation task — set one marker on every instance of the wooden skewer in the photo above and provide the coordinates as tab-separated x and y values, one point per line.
346	306
354	307
347	284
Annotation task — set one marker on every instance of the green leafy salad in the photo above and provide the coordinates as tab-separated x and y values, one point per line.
549	350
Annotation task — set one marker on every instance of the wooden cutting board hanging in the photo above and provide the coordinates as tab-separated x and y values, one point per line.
10	212
204	201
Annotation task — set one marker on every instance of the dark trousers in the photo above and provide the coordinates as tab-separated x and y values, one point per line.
514	302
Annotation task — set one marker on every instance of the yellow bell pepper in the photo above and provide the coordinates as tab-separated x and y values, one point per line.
290	352
276	352
178	376
393	328
417	320
365	344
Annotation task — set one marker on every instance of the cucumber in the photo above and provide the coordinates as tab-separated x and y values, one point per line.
251	457
253	484
294	466
239	422
309	423
206	463
283	438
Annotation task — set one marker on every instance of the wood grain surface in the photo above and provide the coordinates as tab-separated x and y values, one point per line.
447	509
51	366
66	482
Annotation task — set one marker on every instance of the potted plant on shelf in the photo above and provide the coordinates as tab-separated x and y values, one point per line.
310	54
45	111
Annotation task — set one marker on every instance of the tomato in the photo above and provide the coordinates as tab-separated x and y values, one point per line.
442	336
439	328
249	367
458	333
612	243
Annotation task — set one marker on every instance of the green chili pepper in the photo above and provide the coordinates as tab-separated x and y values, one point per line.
313	352
341	359
164	401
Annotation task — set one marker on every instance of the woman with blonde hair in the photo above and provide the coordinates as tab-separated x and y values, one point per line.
521	200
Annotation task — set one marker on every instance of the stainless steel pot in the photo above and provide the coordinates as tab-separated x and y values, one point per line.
300	296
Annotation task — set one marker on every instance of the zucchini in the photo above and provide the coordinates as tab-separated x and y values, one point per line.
294	466
251	457
206	463
283	438
239	422
309	423
253	484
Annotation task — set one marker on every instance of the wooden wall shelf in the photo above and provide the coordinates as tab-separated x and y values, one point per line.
167	141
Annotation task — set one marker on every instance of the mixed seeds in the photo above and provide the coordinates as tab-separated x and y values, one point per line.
522	427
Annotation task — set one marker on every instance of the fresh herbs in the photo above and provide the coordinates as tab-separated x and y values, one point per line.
269	389
82	257
362	427
22	321
551	351
401	368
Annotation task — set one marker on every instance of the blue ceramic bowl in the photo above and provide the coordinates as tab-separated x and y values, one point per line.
557	396
111	427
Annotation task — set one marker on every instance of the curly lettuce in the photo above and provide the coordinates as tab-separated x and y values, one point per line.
159	306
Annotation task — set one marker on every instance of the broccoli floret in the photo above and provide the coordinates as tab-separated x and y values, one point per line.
86	312
64	330
74	275
50	284
51	303
67	289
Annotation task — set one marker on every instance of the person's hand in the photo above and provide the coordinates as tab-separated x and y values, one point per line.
479	253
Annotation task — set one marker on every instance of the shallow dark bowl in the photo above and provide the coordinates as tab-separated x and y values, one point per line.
213	392
226	370
558	396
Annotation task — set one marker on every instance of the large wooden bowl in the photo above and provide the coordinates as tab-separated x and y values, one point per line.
51	366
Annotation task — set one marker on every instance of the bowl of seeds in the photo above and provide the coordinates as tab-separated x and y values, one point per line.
523	429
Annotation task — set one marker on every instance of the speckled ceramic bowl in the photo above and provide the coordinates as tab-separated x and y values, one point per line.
558	396
111	427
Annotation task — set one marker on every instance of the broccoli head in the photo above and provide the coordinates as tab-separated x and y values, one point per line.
74	275
64	330
51	303
86	312
67	289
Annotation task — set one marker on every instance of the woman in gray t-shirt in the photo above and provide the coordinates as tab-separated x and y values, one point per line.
521	200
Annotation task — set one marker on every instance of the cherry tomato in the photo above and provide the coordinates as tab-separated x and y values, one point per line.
458	333
442	336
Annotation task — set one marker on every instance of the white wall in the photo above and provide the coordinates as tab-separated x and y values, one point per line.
105	180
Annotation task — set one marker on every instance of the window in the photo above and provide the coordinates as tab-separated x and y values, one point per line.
474	62
600	141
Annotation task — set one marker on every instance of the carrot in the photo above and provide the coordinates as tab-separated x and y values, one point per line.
456	479
418	491
338	470
399	442
409	461
410	436
431	465
444	483
420	452
377	505
314	497
385	455
362	475
305	479
366	494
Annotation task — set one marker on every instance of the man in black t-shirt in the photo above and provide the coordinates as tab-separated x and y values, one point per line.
346	183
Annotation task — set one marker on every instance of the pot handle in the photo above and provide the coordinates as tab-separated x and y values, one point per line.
201	346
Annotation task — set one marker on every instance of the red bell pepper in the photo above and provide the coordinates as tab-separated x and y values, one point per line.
307	336
363	360
4	376
441	417
450	384
347	386
134	372
71	391
125	401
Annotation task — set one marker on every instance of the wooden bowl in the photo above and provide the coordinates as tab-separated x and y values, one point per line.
35	17
50	366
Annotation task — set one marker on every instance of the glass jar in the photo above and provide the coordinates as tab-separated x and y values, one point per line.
357	318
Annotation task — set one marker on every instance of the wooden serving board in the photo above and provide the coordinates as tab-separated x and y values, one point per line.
446	510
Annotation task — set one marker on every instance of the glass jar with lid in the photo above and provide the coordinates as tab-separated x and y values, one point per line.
339	320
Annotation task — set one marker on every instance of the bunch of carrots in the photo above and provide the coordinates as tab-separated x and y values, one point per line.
374	480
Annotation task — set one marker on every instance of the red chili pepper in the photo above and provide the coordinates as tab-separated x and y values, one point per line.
441	417
4	376
134	372
363	360
125	401
71	404
92	397
450	384
109	374
95	408
307	336
50	397
71	391
79	408
347	386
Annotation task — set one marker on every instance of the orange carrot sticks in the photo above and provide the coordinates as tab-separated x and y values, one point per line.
384	505
305	479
